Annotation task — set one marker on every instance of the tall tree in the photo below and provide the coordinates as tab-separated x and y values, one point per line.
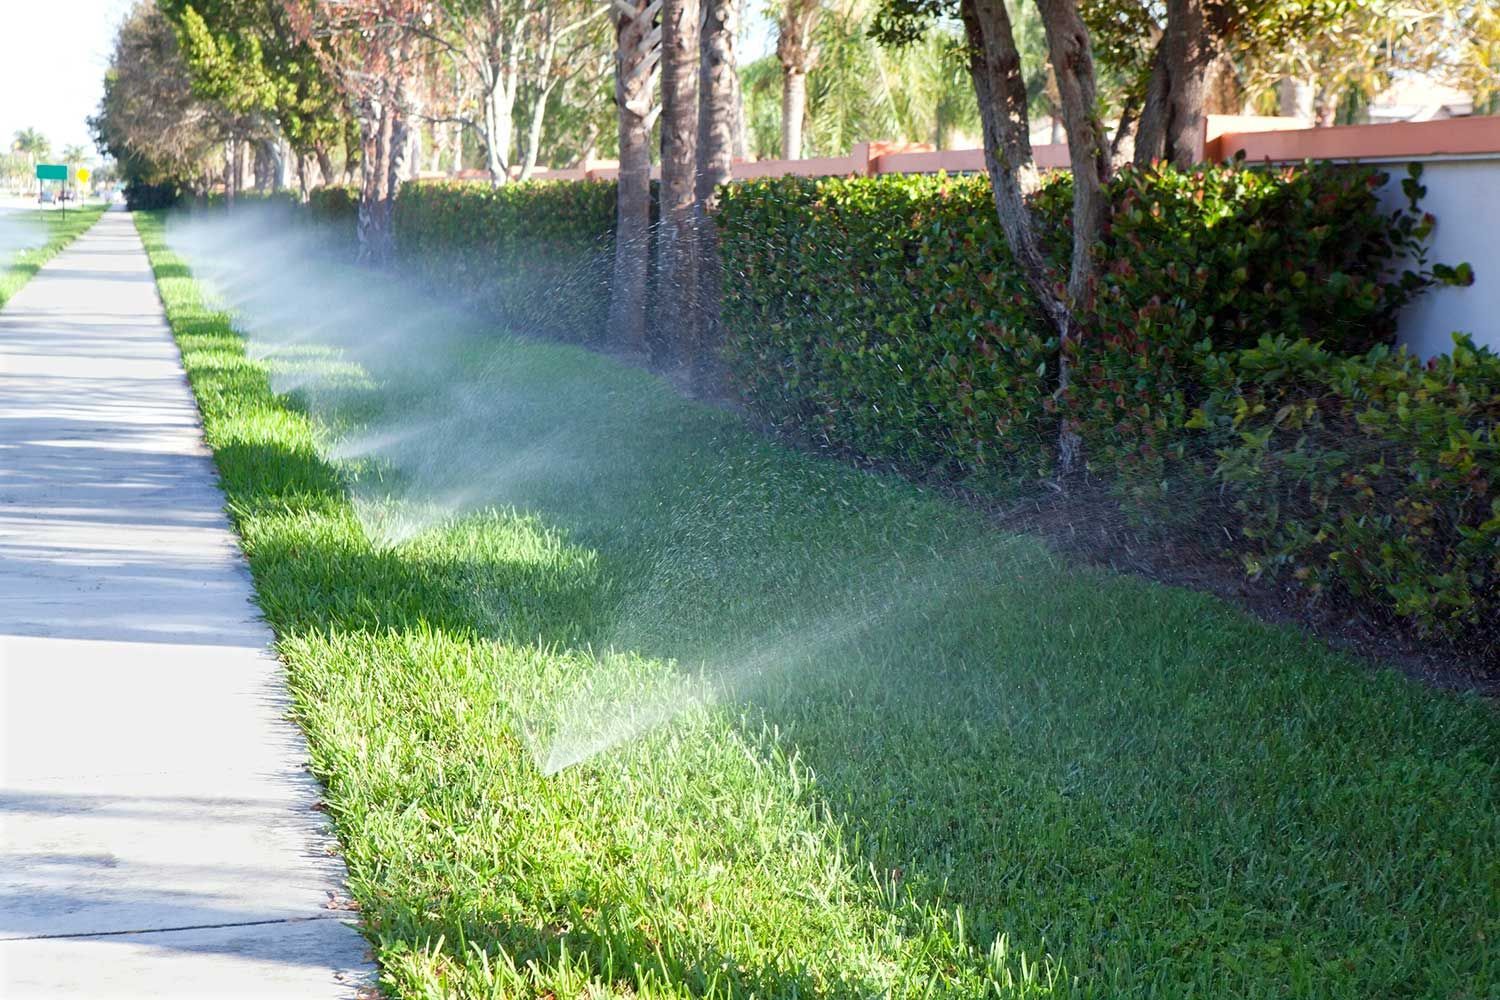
565	48
796	53
369	48
1000	88
246	56
33	145
1377	43
149	119
1175	56
637	60
484	36
518	53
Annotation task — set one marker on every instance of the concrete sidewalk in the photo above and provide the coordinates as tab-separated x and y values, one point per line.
158	834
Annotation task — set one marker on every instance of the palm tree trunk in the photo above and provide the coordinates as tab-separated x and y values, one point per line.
718	94
677	244
793	111
718	118
794	50
637	53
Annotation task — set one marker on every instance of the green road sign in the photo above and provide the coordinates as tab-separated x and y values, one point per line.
52	171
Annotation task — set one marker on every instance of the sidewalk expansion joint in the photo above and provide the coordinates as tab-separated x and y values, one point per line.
171	930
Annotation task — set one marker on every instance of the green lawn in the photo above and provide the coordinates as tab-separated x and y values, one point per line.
887	751
61	228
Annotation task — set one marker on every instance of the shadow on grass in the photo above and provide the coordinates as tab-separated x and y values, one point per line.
628	960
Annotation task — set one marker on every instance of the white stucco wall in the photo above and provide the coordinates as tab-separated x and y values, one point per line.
1464	195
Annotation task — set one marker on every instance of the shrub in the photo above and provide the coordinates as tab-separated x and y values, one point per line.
1199	263
1377	472
140	197
884	317
336	210
533	255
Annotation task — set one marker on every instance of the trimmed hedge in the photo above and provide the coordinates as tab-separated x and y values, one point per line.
1236	381
1199	263
884	317
141	197
536	256
335	208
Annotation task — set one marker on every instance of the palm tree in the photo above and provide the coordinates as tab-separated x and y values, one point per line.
796	51
30	143
73	155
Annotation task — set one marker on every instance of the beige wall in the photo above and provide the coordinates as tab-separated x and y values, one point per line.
1464	196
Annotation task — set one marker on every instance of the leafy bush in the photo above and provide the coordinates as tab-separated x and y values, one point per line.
534	255
140	197
336	210
1376	471
885	318
1199	263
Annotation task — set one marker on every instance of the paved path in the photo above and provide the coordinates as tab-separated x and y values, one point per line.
157	829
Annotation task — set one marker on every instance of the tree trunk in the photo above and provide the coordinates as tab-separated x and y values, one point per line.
718	112
793	112
1294	99
995	66
542	83
677	243
325	164
741	148
533	136
794	51
499	123
1088	155
267	167
1172	120
637	52
382	147
718	75
1151	132
231	156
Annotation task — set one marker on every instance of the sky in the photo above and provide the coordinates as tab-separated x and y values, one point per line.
52	59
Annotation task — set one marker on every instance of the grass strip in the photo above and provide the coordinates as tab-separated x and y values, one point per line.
963	770
61	228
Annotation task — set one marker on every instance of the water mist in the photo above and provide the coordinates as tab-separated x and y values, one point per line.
431	418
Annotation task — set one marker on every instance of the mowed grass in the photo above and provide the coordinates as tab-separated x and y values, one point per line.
925	759
61	228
